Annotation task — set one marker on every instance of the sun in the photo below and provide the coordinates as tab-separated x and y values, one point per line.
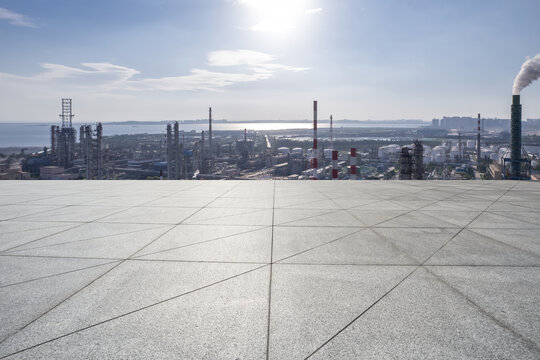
277	16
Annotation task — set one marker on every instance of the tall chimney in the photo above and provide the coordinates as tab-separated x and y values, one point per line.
315	152
353	164
478	148
515	136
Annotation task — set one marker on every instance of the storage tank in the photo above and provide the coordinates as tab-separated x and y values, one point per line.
283	150
438	151
297	151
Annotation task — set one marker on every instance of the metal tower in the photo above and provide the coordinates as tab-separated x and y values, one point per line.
66	114
65	137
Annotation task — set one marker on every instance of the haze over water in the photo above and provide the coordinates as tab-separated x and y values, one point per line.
38	134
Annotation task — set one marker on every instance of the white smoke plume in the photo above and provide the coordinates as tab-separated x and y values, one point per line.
530	71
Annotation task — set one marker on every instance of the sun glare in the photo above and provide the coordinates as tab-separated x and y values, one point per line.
278	16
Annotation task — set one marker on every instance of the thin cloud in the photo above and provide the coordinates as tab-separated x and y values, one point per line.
254	60
238	57
15	18
256	66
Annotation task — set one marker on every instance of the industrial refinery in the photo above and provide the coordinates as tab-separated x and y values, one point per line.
457	149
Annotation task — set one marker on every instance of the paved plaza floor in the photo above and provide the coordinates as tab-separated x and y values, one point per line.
269	270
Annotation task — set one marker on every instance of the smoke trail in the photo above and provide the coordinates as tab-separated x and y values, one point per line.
530	71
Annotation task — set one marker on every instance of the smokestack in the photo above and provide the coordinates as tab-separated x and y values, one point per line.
515	136
210	131
478	149
315	152
353	163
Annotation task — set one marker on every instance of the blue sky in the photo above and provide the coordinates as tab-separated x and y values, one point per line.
264	59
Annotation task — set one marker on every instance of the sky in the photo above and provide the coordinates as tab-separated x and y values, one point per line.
154	60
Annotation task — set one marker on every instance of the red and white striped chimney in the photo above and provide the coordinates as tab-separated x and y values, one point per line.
315	152
334	164
353	163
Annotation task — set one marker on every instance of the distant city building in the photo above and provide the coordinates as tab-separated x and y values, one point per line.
469	123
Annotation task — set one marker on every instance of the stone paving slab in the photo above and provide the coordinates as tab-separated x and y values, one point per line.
269	269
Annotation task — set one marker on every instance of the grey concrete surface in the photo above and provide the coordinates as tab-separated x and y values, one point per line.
269	270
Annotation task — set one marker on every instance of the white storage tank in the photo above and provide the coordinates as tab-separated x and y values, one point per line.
388	150
438	151
283	150
297	151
